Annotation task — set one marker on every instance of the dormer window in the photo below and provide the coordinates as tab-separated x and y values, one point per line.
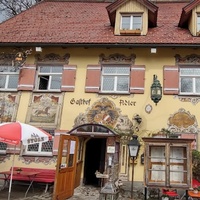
131	24
198	24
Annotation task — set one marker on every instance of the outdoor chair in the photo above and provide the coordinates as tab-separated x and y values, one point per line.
195	183
172	193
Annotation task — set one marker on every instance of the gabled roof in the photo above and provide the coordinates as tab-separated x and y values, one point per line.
67	23
152	11
186	13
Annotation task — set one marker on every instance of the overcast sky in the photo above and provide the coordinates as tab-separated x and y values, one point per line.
1	17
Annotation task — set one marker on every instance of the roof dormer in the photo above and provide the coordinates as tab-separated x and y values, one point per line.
132	17
190	17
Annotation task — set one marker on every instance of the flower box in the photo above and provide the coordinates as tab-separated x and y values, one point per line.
130	32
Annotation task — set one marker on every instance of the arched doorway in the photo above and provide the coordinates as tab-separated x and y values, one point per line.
94	160
96	143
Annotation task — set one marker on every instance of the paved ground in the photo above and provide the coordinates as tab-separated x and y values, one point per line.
80	193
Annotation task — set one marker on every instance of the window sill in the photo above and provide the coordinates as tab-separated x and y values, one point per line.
130	32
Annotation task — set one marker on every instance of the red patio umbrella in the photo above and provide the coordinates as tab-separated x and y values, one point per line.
15	133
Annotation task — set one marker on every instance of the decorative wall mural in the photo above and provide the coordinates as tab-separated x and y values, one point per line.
105	112
8	107
182	121
44	109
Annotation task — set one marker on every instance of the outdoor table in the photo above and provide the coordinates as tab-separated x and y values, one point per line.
194	195
30	175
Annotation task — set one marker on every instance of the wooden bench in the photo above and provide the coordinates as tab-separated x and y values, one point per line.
44	176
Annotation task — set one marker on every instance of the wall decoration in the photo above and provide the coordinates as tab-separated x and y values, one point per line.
182	122
103	112
193	59
44	109
32	159
148	108
184	125
106	113
8	106
193	100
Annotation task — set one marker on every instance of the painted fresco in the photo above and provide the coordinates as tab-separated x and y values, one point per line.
44	108
8	104
182	121
106	113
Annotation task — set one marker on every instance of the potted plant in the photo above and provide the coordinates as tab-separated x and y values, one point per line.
165	197
195	190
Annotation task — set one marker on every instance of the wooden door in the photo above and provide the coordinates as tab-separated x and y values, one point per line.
65	168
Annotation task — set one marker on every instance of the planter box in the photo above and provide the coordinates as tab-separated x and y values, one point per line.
130	32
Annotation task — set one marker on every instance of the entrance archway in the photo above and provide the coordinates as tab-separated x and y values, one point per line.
94	160
93	153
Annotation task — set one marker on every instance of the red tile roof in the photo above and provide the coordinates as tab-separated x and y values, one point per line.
81	23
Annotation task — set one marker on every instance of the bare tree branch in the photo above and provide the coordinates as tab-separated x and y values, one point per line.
11	8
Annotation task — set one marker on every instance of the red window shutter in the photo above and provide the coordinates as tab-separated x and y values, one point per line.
137	79
27	77
68	78
171	80
93	78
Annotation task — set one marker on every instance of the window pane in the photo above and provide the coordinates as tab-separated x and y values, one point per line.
198	23
45	69
13	81
2	81
123	70
198	85
33	147
109	70
190	71
108	83
55	82
122	84
56	69
137	22
47	146
186	85
3	146
125	22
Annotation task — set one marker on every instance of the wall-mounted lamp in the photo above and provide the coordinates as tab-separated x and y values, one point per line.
137	118
156	90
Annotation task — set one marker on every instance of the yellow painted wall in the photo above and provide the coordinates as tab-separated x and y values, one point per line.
154	63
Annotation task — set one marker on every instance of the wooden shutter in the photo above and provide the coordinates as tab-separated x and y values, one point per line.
68	78
137	79
93	78
27	78
171	80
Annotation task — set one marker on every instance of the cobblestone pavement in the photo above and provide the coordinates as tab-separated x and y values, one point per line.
80	193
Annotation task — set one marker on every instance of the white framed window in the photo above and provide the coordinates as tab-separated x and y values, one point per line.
49	78
8	78
3	147
189	81
198	22
131	22
115	78
40	149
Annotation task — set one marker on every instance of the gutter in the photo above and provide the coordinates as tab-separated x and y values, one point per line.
86	45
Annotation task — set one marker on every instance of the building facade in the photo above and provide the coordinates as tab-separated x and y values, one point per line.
86	68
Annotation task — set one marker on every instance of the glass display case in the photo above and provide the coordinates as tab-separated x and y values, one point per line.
168	162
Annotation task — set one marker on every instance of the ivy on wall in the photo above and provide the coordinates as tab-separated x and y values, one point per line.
196	164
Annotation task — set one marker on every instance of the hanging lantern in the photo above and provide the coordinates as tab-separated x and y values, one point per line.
156	90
